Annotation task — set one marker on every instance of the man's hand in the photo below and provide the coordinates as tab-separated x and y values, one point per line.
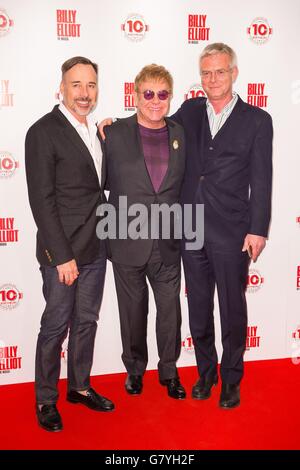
68	272
254	244
105	122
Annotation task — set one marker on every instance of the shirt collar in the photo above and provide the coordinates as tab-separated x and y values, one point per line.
91	120
228	105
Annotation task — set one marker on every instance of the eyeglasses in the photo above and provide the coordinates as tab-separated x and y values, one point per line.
161	94
220	74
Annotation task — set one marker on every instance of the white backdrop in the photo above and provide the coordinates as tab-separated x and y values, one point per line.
122	36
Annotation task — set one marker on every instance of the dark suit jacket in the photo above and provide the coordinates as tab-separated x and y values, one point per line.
64	191
230	174
127	175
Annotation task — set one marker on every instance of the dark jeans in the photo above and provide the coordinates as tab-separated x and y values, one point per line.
74	308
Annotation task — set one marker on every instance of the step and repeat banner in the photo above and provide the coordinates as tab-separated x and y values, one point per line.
122	36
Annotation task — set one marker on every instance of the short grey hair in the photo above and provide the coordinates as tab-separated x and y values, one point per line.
219	48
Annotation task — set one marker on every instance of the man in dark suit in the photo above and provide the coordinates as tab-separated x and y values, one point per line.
65	178
145	163
229	170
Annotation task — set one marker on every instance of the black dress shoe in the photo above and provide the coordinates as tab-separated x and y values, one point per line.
134	384
92	400
175	389
202	388
230	396
49	418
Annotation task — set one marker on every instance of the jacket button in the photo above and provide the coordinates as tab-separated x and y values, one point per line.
211	148
202	177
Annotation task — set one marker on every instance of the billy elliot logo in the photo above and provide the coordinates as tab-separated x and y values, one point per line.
135	28
298	277
5	22
254	281
259	31
129	96
188	345
6	98
253	340
8	232
10	296
8	165
198	29
256	95
67	27
195	91
9	359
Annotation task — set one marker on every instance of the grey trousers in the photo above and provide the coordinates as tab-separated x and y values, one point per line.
133	296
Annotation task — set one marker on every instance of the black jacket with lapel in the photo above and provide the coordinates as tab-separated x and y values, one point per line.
230	174
64	191
127	175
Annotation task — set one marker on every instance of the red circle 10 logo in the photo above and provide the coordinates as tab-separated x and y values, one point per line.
188	344
135	27
5	23
255	281
195	91
9	296
259	31
8	165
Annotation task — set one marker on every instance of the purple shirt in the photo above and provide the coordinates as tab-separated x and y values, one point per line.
155	143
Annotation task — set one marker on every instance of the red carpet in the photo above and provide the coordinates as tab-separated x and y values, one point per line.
268	417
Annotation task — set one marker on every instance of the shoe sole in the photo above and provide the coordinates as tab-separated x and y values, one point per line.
49	430
201	398
133	393
229	407
177	398
75	402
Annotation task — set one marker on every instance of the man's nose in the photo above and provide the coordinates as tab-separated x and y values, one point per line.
213	76
155	99
85	91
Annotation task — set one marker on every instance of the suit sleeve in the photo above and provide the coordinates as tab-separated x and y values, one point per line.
104	156
177	117
261	179
40	161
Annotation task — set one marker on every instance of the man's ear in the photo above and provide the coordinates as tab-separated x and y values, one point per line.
235	72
